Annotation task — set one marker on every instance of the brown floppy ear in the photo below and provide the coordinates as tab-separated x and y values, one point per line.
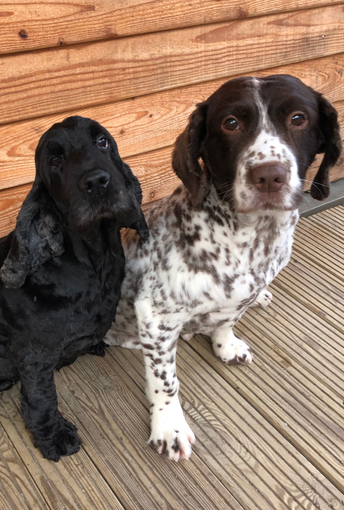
187	151
331	145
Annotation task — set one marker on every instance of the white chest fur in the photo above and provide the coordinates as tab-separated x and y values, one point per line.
212	261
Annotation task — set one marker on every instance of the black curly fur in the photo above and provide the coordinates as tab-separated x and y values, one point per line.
62	269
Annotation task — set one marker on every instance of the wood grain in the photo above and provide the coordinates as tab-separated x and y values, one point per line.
153	168
269	436
153	121
121	419
225	424
27	25
49	81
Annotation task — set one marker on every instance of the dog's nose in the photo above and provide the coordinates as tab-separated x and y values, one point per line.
268	178
95	180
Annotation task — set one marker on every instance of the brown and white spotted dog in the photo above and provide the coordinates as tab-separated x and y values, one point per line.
219	240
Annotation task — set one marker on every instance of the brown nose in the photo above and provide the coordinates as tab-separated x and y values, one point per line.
268	178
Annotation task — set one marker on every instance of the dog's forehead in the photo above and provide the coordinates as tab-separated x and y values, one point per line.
275	89
271	91
239	90
73	132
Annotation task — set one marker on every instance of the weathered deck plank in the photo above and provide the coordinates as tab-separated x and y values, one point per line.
269	436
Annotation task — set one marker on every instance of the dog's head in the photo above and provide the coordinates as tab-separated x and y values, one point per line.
257	137
80	181
78	162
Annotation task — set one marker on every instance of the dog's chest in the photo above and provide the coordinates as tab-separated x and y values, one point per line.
241	263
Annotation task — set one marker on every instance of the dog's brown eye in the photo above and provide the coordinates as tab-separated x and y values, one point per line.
298	119
56	162
102	142
231	124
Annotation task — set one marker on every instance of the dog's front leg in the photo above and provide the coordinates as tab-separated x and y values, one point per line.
52	434
170	433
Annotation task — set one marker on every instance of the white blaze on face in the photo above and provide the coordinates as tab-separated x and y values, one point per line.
268	147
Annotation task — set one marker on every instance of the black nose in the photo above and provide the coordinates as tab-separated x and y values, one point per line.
268	178
95	180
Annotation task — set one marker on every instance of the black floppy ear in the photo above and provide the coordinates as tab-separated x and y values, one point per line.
37	237
187	151
331	145
135	192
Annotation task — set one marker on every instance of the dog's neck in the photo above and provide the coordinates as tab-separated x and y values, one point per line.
97	243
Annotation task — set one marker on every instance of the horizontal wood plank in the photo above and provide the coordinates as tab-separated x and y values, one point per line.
27	25
51	81
150	122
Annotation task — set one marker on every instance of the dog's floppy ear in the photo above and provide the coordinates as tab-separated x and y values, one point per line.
37	237
331	145
135	192
186	154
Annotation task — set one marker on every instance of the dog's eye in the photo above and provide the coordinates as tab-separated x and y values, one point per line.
102	142
298	119
56	162
230	124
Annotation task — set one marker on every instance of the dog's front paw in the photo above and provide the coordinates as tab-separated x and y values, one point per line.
263	300
234	352
171	434
65	441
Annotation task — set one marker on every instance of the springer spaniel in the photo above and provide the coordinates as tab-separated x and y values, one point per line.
62	269
219	240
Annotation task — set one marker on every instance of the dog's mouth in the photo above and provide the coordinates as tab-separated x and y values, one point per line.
282	200
84	213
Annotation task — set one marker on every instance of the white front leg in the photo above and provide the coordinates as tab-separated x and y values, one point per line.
170	433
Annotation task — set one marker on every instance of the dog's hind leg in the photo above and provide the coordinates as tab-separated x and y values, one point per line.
124	331
228	347
98	349
263	299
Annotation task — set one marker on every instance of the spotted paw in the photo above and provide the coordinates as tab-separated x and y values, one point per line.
235	352
263	300
171	435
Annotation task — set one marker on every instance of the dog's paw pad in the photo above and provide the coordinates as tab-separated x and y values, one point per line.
234	353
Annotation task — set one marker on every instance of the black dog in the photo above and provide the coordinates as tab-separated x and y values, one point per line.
62	269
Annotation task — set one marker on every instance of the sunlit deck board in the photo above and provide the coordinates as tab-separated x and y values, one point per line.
269	436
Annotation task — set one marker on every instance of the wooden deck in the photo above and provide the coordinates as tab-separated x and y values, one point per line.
269	436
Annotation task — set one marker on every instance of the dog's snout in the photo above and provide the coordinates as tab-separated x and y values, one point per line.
95	180
268	178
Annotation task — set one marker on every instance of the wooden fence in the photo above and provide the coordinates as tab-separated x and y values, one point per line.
138	67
